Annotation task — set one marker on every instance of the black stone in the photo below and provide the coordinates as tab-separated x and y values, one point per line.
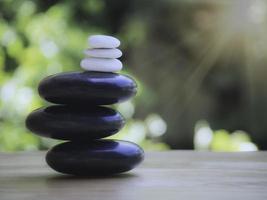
100	157
98	88
75	122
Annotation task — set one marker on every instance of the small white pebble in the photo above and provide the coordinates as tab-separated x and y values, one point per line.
103	41
101	64
103	53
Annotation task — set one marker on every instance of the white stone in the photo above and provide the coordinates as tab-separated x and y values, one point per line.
103	53
101	64
103	41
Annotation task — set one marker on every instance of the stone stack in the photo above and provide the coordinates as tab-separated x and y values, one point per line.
81	118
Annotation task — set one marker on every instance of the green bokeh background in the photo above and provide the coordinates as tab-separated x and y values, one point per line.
40	38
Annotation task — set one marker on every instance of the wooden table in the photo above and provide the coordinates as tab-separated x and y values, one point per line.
172	175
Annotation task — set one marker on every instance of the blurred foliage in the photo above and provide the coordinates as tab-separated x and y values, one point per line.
221	140
37	40
193	60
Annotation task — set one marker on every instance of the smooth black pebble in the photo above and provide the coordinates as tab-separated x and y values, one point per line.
100	157
98	88
75	122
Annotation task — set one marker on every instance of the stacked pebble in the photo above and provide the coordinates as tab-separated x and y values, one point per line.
82	120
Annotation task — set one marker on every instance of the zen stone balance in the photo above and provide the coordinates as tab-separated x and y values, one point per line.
80	117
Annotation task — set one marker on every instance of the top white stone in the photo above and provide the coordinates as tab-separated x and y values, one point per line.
103	41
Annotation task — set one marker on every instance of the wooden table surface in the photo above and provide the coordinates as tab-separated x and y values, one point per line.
163	175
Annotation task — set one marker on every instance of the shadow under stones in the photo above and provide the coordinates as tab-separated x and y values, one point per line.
59	178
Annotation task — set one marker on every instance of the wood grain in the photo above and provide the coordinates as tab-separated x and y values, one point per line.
172	175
